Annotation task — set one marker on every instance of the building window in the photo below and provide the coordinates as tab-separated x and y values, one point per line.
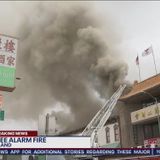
116	132
150	130
107	134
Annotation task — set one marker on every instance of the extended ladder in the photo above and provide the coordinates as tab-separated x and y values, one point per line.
104	113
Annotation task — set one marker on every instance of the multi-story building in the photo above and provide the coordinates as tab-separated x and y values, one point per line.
144	115
138	113
137	121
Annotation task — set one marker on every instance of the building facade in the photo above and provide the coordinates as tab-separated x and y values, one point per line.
143	99
139	118
109	135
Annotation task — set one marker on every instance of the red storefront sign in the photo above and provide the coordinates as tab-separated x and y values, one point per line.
150	141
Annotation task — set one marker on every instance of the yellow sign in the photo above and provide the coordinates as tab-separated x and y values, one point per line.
144	114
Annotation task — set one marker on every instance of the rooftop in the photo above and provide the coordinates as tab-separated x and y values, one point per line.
150	85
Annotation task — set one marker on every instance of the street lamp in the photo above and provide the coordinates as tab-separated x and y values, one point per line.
156	102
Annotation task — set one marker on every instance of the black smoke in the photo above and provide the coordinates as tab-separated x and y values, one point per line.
65	57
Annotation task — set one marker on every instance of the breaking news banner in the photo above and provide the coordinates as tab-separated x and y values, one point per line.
20	133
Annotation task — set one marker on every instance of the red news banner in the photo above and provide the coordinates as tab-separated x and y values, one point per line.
18	133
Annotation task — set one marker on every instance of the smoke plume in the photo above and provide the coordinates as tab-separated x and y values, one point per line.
65	56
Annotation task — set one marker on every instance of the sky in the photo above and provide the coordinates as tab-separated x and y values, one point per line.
136	23
139	24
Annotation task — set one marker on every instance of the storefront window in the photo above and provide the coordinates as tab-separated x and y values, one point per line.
150	130
155	130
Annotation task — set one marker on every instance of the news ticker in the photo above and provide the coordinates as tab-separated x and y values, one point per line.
80	151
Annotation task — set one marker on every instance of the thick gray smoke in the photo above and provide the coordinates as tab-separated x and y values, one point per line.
65	57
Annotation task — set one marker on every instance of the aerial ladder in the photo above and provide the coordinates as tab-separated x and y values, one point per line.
102	116
99	121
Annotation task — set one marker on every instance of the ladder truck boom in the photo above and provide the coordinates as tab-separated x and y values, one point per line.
110	108
104	113
100	119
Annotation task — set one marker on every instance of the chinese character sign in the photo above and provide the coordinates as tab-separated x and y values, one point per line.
8	53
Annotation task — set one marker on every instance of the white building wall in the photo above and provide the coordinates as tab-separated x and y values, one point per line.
102	135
